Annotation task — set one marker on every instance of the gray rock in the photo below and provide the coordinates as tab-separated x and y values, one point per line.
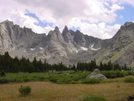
96	74
132	69
68	47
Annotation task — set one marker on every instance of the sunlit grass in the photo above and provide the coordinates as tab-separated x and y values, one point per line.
47	91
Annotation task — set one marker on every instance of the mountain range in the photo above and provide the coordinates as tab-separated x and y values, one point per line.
68	46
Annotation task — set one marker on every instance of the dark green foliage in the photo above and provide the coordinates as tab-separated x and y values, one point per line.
67	78
3	81
24	90
41	78
62	77
2	73
94	98
59	77
16	65
87	66
114	74
129	80
90	66
91	81
130	73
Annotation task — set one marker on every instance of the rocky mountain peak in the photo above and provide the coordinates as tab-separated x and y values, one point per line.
79	38
128	23
56	29
65	30
7	23
66	34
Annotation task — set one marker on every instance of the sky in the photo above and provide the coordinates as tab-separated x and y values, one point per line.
98	18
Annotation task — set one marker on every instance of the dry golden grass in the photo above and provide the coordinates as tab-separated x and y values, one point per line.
47	91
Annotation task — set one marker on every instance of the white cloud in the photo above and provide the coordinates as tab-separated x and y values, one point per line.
100	30
131	2
9	10
91	16
116	7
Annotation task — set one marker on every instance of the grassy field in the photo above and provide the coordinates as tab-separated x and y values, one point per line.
111	89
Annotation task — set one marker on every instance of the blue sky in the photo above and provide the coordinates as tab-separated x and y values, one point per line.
125	15
98	18
39	23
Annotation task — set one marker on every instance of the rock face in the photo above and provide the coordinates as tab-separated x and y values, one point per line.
67	46
96	74
54	48
132	69
121	47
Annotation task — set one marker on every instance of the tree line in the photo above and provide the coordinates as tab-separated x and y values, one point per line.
90	66
15	65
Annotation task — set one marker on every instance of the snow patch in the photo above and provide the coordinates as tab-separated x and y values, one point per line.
41	48
84	48
76	51
94	49
32	49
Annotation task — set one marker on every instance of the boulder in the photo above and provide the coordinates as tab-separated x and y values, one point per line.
96	74
132	69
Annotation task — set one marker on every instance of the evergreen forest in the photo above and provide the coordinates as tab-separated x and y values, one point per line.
15	65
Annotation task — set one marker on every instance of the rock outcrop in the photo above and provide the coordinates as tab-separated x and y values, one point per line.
132	69
96	74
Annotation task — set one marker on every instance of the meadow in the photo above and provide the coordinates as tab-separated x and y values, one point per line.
45	89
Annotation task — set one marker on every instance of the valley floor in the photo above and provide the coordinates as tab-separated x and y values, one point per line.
47	91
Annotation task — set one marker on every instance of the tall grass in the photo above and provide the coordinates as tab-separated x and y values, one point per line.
94	98
129	80
47	91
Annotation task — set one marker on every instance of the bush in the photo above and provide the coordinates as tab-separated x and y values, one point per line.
41	78
2	73
19	80
130	72
25	90
64	80
3	81
91	81
114	74
94	98
26	80
129	79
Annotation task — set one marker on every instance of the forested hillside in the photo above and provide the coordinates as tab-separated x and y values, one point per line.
16	65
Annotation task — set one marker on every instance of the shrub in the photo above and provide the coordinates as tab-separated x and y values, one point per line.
19	80
3	81
114	74
26	79
53	78
25	90
129	79
91	81
41	78
94	98
64	80
130	72
2	73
